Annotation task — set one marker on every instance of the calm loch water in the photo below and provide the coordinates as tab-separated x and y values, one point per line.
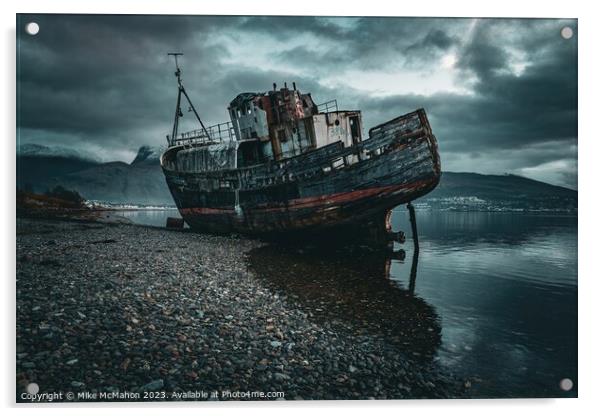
504	287
154	217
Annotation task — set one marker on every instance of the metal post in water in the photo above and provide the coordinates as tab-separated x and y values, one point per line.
416	248
414	228
413	272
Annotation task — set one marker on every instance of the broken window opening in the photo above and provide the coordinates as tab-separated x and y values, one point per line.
282	135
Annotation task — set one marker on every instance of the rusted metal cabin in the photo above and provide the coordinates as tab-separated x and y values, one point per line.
283	123
286	166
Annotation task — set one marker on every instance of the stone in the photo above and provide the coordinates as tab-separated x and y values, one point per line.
153	385
280	377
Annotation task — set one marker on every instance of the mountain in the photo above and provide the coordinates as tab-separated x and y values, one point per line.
148	155
139	182
119	182
499	191
38	150
37	163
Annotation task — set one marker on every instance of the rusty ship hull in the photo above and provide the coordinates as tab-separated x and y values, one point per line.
335	190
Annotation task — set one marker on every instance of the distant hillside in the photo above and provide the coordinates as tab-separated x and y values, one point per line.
141	182
496	186
501	190
118	182
39	150
37	163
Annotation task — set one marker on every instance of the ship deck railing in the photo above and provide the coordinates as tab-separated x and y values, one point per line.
218	133
328	107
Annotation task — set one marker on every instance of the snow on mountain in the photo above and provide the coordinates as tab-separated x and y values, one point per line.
148	155
38	150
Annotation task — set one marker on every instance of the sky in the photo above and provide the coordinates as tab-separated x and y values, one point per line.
501	94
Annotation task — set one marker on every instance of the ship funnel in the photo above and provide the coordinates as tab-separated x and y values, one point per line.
294	86
274	85
285	87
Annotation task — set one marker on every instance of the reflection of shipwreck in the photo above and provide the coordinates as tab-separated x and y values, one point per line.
286	165
354	290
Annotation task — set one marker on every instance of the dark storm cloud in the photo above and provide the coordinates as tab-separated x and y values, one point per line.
105	82
364	43
92	74
286	27
506	111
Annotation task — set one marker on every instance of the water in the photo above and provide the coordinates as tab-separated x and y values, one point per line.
154	217
493	299
505	289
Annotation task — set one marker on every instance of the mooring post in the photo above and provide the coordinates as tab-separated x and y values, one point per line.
413	271
414	228
412	287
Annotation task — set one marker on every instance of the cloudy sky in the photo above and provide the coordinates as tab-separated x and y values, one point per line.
501	94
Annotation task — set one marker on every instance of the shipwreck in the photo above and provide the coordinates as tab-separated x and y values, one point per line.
284	166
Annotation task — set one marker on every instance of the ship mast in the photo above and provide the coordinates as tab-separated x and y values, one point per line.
181	91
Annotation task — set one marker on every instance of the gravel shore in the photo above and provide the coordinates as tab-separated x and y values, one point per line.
128	310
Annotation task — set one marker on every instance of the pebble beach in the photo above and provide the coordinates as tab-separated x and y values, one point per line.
115	311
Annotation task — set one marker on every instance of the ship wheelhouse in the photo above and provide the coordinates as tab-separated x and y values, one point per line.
263	127
284	122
